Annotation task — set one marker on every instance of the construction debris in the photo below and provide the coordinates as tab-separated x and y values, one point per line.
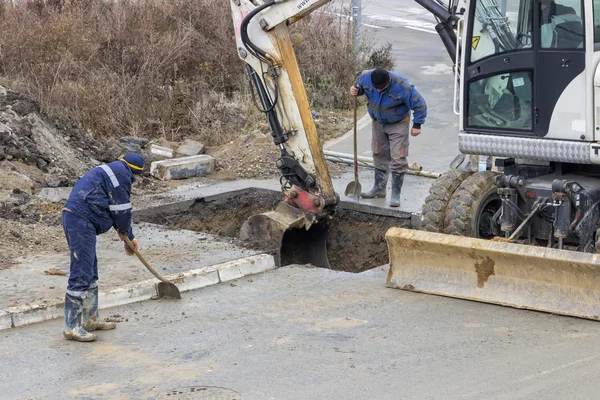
55	271
182	168
190	148
161	151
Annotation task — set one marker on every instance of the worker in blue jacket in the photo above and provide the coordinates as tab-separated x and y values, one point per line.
390	101
99	201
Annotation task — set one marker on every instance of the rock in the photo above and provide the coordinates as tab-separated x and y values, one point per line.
41	164
141	142
24	107
18	199
130	147
182	168
54	195
54	181
160	152
190	148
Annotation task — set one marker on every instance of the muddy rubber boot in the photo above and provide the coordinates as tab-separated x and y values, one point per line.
73	319
397	181
378	191
91	319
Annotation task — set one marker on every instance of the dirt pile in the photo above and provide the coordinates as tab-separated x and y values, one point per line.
251	155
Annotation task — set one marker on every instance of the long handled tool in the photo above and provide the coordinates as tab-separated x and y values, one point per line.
353	189
165	288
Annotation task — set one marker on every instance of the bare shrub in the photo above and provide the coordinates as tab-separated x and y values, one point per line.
155	67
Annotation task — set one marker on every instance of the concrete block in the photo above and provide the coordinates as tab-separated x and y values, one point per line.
195	279
127	294
160	151
54	195
245	266
182	168
5	320
31	314
190	148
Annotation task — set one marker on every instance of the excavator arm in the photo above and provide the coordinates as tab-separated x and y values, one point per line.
296	230
263	43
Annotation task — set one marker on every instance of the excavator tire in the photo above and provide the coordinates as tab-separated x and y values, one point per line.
433	211
472	205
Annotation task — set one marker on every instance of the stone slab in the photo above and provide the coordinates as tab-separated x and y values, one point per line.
161	151
182	168
190	148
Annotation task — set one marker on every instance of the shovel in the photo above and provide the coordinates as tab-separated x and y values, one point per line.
165	288
353	189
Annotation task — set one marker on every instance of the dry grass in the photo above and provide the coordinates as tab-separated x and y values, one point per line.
155	68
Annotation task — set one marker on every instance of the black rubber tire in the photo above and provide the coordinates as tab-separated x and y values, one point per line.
470	203
433	211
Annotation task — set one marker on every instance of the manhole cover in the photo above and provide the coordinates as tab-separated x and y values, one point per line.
201	393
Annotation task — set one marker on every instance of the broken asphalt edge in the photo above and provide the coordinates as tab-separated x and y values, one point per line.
13	317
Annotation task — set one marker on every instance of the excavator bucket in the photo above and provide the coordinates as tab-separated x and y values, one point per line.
294	236
508	274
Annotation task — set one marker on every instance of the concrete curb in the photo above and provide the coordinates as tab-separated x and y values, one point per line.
145	290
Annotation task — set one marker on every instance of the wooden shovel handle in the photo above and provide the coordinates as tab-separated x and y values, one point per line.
141	258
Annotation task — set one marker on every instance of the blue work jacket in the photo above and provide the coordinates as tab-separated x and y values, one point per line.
393	104
102	197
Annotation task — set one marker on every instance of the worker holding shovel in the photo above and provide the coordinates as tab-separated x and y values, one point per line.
100	200
391	99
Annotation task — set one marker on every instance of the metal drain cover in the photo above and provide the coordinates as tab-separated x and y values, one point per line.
200	393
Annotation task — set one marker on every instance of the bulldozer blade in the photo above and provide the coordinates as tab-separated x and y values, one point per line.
535	278
294	236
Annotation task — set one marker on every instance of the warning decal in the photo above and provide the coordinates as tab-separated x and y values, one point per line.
475	42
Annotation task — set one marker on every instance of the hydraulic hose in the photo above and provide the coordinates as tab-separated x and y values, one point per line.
260	53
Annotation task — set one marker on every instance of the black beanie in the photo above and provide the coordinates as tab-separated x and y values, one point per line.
380	78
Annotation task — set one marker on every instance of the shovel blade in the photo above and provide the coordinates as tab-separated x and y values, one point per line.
168	291
353	190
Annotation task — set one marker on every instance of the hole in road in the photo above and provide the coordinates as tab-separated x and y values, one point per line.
355	238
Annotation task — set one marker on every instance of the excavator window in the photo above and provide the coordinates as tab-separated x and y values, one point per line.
501	26
501	101
597	24
561	26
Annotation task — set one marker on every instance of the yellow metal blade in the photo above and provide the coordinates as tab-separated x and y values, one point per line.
536	278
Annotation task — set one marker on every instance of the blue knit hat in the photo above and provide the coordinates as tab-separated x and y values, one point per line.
134	161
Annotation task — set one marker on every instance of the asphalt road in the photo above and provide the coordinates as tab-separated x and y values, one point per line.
306	333
422	59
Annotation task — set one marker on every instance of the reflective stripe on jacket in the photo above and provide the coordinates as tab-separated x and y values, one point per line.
102	197
393	104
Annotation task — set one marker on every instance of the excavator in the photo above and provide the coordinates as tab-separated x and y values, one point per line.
516	219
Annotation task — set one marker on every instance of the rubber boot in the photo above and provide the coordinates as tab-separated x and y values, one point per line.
378	191
73	320
397	181
91	319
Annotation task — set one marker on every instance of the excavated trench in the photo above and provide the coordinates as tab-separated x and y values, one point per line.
355	235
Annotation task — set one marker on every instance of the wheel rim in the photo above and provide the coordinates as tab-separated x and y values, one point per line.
489	206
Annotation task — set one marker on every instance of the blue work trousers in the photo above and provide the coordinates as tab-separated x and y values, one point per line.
81	238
